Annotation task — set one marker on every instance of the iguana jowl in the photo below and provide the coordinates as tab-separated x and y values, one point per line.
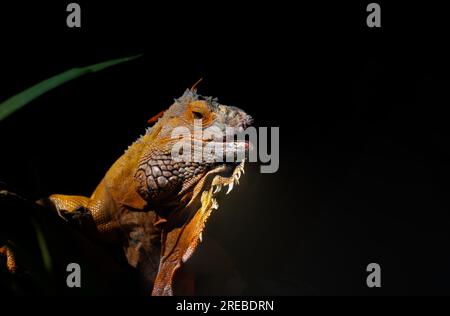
154	206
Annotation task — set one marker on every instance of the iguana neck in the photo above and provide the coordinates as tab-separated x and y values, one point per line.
117	193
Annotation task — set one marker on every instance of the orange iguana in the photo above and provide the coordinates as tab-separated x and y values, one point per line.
154	206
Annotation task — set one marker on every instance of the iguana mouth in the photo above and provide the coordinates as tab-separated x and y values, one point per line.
226	174
223	171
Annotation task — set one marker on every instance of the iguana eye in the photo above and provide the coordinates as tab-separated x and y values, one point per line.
197	115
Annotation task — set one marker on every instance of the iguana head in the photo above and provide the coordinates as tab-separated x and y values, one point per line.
181	156
182	169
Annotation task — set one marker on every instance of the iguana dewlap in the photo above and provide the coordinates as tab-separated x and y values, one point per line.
156	206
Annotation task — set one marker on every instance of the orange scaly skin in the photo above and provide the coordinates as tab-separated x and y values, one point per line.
8	255
152	206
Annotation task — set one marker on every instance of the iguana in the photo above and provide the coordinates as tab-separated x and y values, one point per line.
156	206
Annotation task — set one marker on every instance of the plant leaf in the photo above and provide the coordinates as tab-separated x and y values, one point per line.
45	253
21	99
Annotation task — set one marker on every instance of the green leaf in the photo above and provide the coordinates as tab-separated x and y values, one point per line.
45	253
16	102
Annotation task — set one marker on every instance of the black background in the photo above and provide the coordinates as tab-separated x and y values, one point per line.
364	160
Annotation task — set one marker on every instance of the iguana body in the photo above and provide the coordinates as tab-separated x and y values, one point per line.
154	206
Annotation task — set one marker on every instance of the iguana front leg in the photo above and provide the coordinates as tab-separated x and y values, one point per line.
93	214
68	203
